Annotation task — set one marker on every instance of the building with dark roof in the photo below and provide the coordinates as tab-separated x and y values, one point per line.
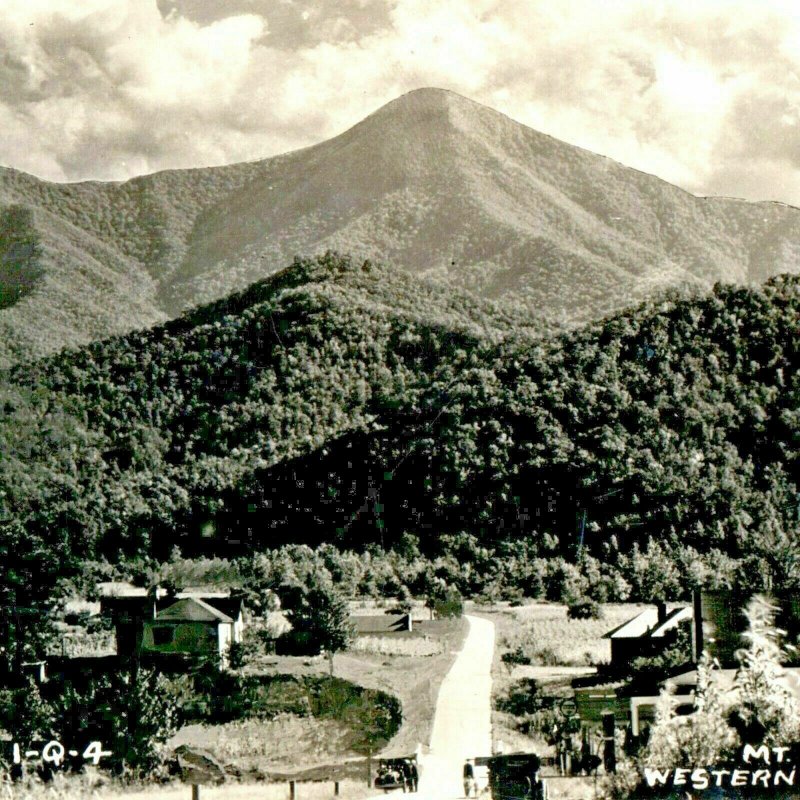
718	622
381	624
646	635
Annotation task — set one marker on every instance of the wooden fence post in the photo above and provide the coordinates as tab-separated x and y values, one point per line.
609	751
195	792
336	788
292	792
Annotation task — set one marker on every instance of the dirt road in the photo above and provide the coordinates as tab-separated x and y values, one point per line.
462	726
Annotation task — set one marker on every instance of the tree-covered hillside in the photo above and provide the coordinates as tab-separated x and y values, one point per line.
433	183
348	403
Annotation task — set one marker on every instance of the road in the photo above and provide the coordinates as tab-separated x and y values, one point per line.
462	724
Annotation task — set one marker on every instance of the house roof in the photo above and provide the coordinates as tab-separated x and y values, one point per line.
109	589
380	623
191	609
229	606
647	625
600	689
674	617
114	589
789	678
685	682
117	596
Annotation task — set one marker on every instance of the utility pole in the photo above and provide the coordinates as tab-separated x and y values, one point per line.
583	529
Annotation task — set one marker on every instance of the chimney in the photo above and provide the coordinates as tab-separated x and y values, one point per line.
152	601
661	606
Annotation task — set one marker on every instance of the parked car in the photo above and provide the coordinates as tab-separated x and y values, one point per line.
516	776
397	773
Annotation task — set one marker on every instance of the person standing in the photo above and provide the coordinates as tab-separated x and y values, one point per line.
414	773
405	771
469	778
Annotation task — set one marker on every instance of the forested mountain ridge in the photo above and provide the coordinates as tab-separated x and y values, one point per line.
352	403
430	183
107	433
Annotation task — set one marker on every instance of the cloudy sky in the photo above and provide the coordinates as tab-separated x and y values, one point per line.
704	93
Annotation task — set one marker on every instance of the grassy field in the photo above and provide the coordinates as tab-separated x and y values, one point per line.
546	635
414	679
261	747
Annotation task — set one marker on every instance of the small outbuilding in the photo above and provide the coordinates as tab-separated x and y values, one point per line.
381	624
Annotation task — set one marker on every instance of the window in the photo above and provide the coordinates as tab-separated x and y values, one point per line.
163	635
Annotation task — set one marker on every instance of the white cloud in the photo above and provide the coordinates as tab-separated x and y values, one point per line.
102	88
704	93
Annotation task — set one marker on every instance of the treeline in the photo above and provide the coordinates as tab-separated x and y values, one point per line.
345	403
510	571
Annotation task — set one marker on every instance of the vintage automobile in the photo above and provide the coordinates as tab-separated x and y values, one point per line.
515	776
395	773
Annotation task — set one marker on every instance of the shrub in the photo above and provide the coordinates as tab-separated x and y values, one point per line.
522	698
241	653
132	714
584	608
516	656
25	714
447	604
678	650
226	697
373	716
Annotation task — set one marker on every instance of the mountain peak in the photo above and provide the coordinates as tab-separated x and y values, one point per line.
428	105
431	182
428	100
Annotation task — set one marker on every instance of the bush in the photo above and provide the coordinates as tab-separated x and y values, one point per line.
522	698
132	714
221	697
516	656
677	651
447	604
241	653
373	716
584	608
25	714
